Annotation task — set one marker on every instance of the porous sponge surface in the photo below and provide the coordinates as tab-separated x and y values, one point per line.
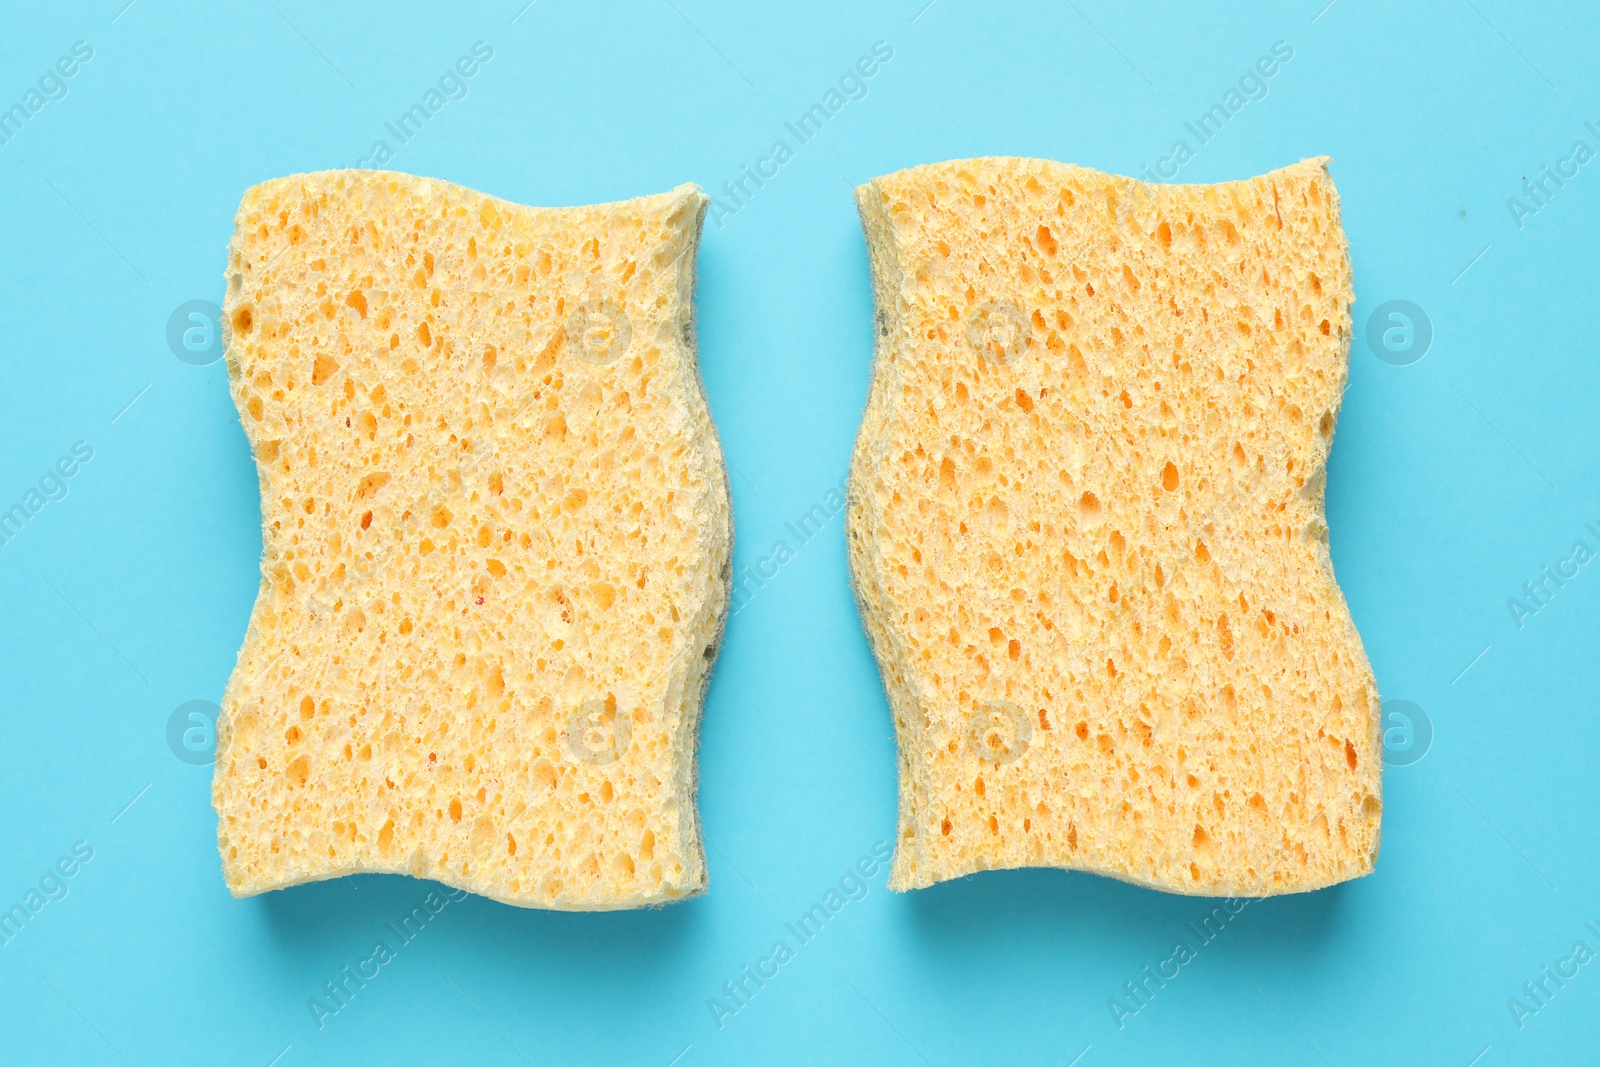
496	542
1086	528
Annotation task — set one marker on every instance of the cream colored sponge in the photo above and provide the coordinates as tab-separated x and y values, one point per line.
496	538
1086	528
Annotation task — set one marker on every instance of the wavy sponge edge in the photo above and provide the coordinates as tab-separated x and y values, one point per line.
1086	528
496	542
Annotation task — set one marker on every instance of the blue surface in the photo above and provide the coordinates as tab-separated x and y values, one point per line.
1454	480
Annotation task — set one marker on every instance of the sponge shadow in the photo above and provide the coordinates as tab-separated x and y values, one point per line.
302	918
603	942
1044	906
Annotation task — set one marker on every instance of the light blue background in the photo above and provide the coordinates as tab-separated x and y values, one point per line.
1452	482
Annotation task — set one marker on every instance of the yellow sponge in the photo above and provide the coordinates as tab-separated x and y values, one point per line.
1086	528
496	539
